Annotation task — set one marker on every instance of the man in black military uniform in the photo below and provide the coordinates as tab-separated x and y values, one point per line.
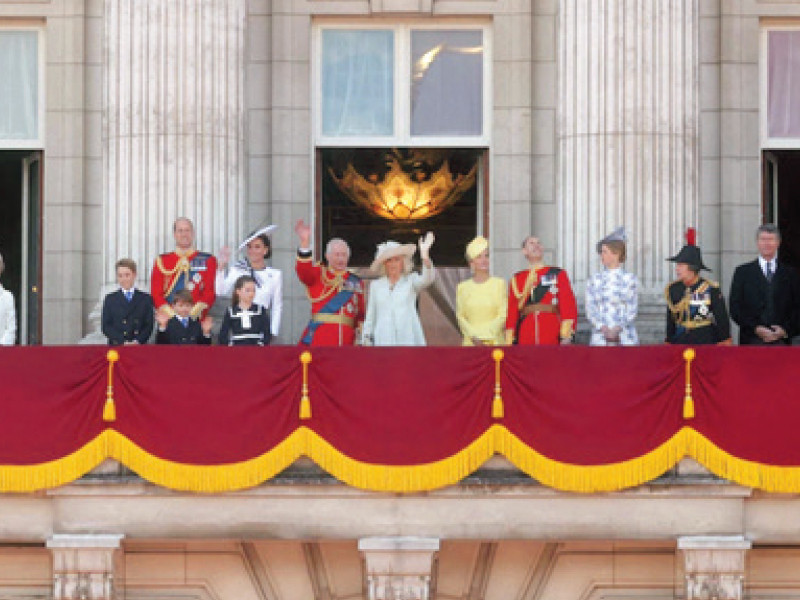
127	316
696	312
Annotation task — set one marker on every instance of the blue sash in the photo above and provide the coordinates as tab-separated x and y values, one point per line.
196	265
331	307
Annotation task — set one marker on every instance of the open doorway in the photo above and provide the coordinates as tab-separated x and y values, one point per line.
20	238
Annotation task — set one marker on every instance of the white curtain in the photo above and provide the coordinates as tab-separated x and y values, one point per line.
446	82
783	113
19	89
357	82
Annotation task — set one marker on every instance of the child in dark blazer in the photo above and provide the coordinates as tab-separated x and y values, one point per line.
181	328
127	316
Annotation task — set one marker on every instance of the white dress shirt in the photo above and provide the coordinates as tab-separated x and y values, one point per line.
8	318
763	263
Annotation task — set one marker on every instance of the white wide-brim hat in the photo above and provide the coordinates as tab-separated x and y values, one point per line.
262	231
390	249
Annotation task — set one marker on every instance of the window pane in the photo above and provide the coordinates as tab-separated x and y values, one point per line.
357	83
784	84
19	89
446	82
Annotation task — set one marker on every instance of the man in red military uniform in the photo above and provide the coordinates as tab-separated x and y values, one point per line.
541	305
336	295
184	269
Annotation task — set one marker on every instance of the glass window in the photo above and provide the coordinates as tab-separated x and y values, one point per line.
19	89
446	82
783	94
357	82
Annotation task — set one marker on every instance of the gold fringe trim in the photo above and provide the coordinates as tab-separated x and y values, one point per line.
411	478
400	479
30	478
595	478
206	478
769	478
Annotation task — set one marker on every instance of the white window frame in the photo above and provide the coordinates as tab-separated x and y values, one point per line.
402	84
767	142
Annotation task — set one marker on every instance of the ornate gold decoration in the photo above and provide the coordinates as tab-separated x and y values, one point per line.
405	194
109	409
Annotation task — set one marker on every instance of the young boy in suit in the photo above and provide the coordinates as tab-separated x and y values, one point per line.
127	312
182	329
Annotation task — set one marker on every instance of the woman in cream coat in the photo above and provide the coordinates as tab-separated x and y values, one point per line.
392	318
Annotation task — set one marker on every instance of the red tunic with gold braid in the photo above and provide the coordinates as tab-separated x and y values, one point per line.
194	271
545	294
336	328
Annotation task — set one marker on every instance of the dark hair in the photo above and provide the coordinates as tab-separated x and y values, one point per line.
770	228
183	296
126	263
239	285
265	239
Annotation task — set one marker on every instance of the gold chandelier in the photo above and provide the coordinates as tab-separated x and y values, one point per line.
402	194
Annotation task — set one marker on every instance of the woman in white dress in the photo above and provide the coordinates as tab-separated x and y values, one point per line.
8	316
392	318
612	296
268	281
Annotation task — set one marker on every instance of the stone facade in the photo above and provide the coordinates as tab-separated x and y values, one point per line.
108	191
298	540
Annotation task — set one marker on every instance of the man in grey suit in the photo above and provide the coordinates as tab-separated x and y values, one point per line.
765	295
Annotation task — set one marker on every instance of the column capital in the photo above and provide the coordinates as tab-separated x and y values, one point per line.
715	566
85	565
398	568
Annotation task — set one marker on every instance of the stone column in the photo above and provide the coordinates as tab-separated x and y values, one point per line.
173	125
398	568
715	566
85	566
627	133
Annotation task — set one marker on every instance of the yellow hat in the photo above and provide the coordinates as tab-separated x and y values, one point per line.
476	246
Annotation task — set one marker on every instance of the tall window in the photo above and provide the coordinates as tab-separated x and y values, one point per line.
402	85
401	129
20	88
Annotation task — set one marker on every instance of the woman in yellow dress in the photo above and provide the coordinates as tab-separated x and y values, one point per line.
482	301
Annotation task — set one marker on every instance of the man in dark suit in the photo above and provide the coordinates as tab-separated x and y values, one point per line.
127	312
765	295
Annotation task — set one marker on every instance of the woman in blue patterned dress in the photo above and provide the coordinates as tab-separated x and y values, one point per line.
612	296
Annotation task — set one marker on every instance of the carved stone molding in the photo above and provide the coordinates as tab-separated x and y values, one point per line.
84	566
715	566
398	568
401	6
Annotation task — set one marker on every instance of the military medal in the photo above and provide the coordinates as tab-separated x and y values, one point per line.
190	286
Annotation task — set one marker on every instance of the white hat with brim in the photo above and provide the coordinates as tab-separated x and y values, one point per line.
263	231
390	249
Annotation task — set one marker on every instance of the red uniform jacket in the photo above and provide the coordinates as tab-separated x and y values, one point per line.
549	325
195	272
326	328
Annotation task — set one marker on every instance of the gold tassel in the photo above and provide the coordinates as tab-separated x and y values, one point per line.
688	402
498	411
109	409
305	401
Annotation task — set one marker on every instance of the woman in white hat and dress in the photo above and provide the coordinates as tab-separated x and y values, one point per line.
612	296
482	300
392	318
268	281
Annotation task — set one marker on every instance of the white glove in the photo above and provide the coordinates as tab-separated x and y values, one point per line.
425	244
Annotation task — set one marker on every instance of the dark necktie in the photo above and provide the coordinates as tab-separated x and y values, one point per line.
770	272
